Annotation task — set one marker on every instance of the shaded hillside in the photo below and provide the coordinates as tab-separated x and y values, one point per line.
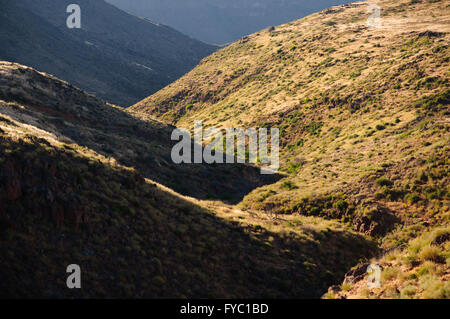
118	57
217	21
64	200
363	114
59	206
81	120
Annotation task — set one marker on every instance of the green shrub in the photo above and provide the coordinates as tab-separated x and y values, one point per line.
340	205
383	181
289	185
430	253
412	198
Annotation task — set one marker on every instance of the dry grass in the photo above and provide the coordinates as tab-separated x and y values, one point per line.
342	94
419	270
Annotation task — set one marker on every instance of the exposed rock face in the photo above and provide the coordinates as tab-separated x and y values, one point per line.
379	222
12	186
39	187
356	273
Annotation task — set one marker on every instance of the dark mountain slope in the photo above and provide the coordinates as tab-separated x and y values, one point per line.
84	121
64	200
217	21
134	240
119	57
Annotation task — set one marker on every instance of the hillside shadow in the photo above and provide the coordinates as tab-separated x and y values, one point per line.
139	241
143	145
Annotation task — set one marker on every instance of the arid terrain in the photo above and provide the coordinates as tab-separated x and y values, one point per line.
363	114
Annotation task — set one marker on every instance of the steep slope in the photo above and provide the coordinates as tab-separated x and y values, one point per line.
419	268
64	201
82	120
118	57
363	114
350	101
217	21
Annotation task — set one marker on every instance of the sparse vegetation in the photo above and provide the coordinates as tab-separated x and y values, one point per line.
360	135
66	200
364	163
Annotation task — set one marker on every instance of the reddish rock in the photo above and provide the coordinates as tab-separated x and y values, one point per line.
13	189
58	214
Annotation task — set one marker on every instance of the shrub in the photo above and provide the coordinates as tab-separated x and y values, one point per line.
330	23
422	177
427	268
434	288
383	181
408	291
158	281
314	211
412	198
289	185
434	102
267	194
430	253
390	273
346	287
340	205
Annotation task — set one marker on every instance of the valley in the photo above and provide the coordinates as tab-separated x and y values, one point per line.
363	115
362	111
69	197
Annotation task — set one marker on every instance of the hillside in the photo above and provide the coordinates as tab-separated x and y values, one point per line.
72	192
364	121
215	21
418	268
80	120
116	56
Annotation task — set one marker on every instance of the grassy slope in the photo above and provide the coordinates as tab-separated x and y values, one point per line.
82	120
64	200
363	113
417	268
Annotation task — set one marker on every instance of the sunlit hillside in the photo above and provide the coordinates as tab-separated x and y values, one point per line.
363	113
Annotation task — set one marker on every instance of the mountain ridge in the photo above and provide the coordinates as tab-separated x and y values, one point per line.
222	22
83	120
114	55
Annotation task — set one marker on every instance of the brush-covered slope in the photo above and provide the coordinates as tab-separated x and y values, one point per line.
353	103
81	120
117	56
417	268
363	114
69	194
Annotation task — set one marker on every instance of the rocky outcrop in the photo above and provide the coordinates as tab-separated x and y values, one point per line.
42	190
